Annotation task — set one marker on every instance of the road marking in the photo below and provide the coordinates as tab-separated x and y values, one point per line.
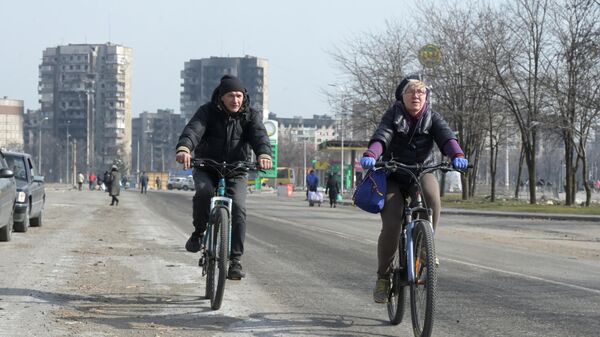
594	291
314	228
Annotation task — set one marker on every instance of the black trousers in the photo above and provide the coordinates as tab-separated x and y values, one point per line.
205	183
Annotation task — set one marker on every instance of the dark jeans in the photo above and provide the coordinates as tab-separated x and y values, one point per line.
144	189
205	184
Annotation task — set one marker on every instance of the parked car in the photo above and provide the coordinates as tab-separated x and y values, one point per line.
8	193
31	193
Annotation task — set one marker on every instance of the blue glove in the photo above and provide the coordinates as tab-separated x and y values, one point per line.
460	163
367	163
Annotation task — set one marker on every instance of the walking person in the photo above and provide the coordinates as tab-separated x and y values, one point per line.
158	183
92	181
225	130
406	133
80	179
115	185
144	183
312	182
333	187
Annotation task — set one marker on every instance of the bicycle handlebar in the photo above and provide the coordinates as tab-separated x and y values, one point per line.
224	167
418	169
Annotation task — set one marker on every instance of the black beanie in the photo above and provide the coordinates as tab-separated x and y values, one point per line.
403	84
230	83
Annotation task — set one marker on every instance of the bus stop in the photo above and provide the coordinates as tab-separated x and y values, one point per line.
347	147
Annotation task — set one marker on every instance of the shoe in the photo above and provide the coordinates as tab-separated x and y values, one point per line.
381	291
193	244
235	270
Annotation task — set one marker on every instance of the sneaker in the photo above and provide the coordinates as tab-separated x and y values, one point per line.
193	244
381	291
235	270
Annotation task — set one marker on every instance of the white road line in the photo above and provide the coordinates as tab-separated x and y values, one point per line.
564	284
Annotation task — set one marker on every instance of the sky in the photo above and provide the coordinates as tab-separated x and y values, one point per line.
296	37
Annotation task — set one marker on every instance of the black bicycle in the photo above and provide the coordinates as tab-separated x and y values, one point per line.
414	263
216	245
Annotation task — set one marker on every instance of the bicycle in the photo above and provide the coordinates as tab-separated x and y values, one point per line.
414	263
216	244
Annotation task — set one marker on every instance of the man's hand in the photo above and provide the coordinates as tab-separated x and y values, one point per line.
184	158
265	164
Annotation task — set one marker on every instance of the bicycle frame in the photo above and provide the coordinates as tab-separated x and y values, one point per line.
409	227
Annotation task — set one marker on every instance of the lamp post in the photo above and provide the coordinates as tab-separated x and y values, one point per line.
342	112
40	145
67	150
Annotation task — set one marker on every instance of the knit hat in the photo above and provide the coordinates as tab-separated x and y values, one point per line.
230	83
403	83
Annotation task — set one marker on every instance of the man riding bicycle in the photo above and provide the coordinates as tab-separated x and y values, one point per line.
224	130
406	133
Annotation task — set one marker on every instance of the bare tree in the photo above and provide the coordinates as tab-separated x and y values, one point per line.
513	41
373	64
574	83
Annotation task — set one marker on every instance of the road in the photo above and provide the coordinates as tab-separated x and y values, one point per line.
97	270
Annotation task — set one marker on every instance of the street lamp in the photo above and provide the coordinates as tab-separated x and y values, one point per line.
67	150
342	112
40	145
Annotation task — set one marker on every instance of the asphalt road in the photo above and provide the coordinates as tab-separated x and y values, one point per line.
94	270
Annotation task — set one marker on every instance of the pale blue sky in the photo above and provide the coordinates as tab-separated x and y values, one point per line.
295	37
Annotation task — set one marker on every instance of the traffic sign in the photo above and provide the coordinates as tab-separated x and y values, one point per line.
430	55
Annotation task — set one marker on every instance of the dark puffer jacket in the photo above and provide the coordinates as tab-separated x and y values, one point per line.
216	134
411	145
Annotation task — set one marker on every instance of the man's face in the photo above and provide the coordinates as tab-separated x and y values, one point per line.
233	100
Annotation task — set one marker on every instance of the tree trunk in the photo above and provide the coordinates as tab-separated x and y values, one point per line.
519	171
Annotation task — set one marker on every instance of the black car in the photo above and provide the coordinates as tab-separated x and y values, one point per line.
8	193
31	194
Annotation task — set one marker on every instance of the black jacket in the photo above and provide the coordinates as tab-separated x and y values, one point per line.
216	134
411	145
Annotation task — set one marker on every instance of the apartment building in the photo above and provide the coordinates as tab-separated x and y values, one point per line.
11	124
311	130
154	137
85	90
201	76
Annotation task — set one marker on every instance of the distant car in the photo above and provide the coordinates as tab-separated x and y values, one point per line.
31	193
8	194
181	183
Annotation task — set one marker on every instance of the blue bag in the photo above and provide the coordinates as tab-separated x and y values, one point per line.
370	193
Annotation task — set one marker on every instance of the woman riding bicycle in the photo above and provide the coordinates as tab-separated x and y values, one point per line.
406	133
224	130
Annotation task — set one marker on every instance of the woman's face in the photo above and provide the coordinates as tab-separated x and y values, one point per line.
414	98
233	100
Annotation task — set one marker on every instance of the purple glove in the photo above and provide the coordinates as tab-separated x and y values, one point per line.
460	163
367	163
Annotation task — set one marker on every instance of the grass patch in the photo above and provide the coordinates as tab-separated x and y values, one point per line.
513	205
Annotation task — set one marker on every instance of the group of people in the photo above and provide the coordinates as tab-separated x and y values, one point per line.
226	128
332	187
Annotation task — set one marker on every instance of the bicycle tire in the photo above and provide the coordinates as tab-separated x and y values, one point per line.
210	259
397	296
423	290
222	257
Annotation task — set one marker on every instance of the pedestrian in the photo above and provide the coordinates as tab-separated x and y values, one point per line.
333	187
224	129
115	187
312	182
158	183
406	133
107	182
80	179
144	183
92	181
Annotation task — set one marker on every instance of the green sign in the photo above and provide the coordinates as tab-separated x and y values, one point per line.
272	173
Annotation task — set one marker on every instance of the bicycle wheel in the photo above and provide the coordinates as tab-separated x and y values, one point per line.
222	257
395	305
210	258
423	290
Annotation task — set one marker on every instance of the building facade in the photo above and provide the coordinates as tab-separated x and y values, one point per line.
201	77
11	124
85	90
154	138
